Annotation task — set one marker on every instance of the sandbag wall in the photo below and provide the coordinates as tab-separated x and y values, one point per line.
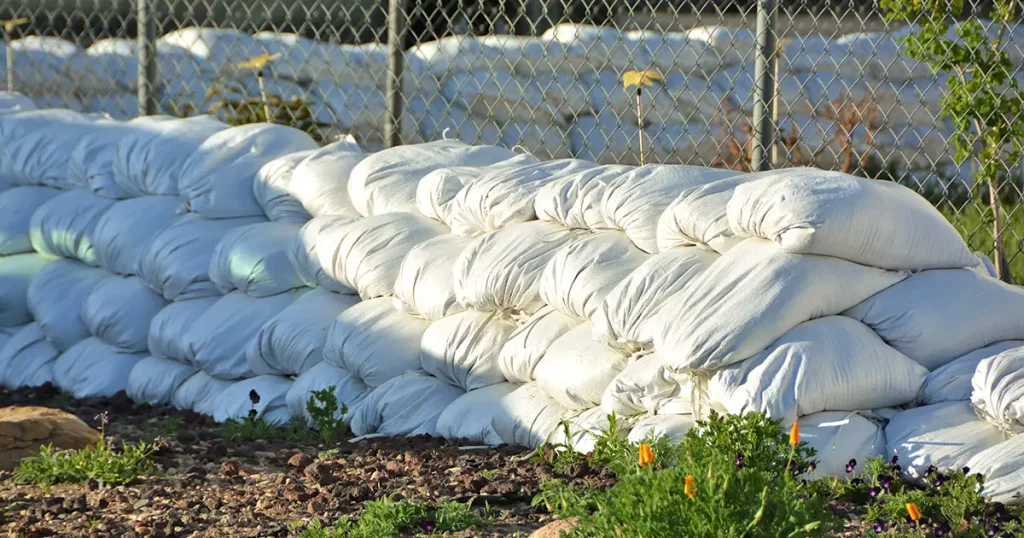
477	293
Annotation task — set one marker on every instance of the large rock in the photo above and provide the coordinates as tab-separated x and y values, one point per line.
24	429
555	528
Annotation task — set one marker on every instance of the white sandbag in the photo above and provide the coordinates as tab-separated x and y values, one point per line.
320	181
945	435
38	151
430	117
998	394
506	194
16	276
176	263
125	230
426	286
644	386
302	254
112	64
586	427
527	345
14	102
119	310
366	254
217	340
55	299
348	390
233	402
576	370
697	217
354	108
375	342
952	382
271	188
462	349
91	369
386	181
574	200
634	202
596	47
502	269
217	50
26	359
168	327
16	208
199	393
407	405
471	415
827	364
750	297
624	319
120	106
151	164
674	427
154	380
581	274
293	340
65	226
254	260
546	142
527	417
727	45
936	316
1003	468
305	59
92	159
501	96
436	192
838	437
217	180
876	223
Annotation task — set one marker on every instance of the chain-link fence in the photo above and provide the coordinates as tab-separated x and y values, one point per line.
544	76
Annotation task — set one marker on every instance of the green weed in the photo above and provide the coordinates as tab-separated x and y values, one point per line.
327	415
384	518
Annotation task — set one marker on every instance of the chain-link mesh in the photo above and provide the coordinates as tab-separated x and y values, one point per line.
544	76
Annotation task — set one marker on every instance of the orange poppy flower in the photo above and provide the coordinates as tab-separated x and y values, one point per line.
915	514
690	489
646	455
794	434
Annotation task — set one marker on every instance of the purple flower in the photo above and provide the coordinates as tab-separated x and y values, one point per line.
254	397
966	470
895	460
879	528
885	481
856	482
930	470
912	524
991	531
939	481
429	526
942	530
811	466
252	414
739	461
850	466
102	418
873	492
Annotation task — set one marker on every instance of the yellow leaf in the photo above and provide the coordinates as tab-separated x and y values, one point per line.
259	62
647	77
14	23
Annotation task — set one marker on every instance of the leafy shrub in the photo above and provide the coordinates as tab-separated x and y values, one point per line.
386	517
327	417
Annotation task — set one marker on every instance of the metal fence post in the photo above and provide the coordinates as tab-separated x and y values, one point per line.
396	62
146	38
765	86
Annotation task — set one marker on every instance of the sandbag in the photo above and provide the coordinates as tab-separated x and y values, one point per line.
119	310
462	349
375	342
293	340
502	270
952	382
233	402
527	345
635	201
154	380
92	369
505	195
435	193
502	96
386	181
586	427
674	427
125	231
407	405
14	102
151	163
16	276
426	286
91	164
302	254
751	296
838	437
217	50
16	208
945	435
320	181
527	417
644	386
217	181
168	327
936	316
1003	468
217	340
36	146
366	254
348	390
55	299
998	390
65	226
177	261
624	319
697	217
574	200
199	393
576	370
581	274
26	358
254	260
876	223
827	364
271	189
470	416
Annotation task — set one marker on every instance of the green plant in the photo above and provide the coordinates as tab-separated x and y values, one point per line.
229	100
386	517
565	499
171	425
328	419
252	427
329	454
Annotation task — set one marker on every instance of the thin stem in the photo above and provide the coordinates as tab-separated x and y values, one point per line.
640	123
263	96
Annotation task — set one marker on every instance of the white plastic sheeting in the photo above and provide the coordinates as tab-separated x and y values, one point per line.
254	260
302	254
16	276
119	310
26	358
154	380
998	394
271	188
407	405
233	402
150	164
574	200
426	286
91	368
55	299
320	181
1003	468
16	208
527	345
348	390
375	342
952	382
462	349
576	370
170	325
527	416
65	225
125	230
471	415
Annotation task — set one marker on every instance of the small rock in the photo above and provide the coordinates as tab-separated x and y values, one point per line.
297	495
300	460
315	507
141	504
216	451
263	503
92	484
555	528
230	468
102	503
